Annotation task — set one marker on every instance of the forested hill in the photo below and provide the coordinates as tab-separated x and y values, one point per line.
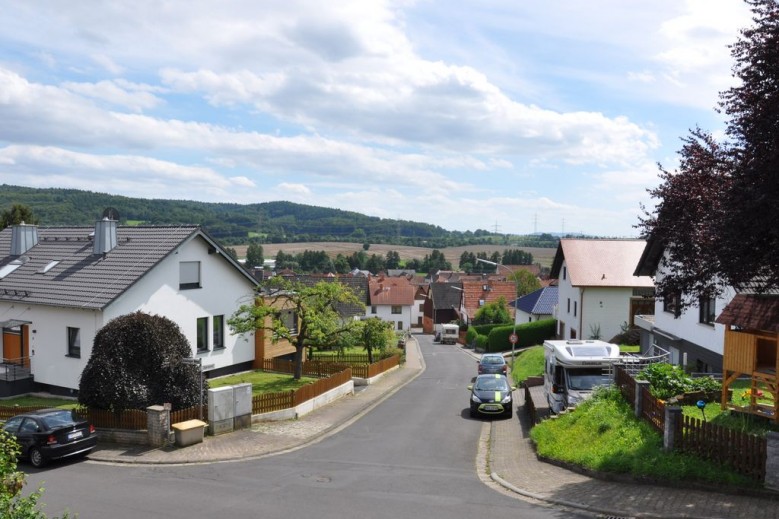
270	222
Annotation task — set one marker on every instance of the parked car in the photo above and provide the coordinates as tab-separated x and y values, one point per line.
492	363
491	395
50	434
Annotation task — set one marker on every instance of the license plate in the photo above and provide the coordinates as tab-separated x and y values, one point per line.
75	435
490	408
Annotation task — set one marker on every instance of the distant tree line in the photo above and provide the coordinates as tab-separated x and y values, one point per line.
239	224
318	262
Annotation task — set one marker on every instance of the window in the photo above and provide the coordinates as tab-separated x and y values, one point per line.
400	325
671	303
373	309
396	309
706	310
290	320
218	332
189	275
202	334
569	305
565	272
575	303
74	342
421	307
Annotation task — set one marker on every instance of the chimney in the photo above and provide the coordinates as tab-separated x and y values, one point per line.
105	236
23	238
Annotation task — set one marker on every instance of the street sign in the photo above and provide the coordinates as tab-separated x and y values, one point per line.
513	338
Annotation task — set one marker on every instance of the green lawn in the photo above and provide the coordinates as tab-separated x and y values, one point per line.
37	401
262	381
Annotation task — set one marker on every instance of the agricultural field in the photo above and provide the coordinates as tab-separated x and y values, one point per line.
544	256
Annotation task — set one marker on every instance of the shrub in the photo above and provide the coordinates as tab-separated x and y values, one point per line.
470	335
136	362
666	381
481	342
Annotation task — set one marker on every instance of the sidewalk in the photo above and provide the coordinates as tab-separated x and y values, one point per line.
512	460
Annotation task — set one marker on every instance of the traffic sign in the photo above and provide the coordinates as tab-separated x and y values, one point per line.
513	338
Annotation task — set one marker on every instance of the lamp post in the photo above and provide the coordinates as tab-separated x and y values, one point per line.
516	292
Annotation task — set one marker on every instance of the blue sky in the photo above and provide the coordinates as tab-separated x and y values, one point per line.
500	115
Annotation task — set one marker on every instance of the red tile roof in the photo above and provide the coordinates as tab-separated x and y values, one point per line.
752	312
601	263
391	291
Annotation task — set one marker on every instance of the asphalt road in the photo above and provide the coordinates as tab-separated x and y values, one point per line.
412	456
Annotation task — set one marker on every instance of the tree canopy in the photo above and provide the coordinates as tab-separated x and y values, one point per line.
136	362
304	315
17	214
717	214
494	312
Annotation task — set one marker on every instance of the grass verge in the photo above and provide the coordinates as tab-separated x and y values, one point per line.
609	438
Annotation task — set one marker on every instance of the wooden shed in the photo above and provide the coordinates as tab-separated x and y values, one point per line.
752	349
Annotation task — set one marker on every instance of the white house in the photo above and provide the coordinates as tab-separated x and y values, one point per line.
598	294
691	336
59	286
391	299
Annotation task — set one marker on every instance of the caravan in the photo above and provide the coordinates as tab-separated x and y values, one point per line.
573	368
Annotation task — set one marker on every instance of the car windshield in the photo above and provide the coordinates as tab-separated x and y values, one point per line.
492	360
491	384
58	419
586	379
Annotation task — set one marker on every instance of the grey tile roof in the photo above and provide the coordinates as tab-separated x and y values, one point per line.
82	279
540	302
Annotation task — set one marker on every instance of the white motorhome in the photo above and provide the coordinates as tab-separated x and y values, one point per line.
450	333
573	368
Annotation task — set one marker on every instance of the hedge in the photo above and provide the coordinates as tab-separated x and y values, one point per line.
481	343
470	335
530	334
485	329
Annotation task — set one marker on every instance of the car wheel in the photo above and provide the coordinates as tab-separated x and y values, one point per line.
473	412
509	413
36	457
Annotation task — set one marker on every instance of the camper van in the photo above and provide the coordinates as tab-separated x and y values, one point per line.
573	368
450	333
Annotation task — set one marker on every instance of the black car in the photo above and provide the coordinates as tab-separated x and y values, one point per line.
491	395
50	434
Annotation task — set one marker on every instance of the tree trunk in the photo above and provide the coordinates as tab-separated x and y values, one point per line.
299	349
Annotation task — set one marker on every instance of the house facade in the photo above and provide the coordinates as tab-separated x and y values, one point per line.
60	286
536	305
691	335
598	293
392	299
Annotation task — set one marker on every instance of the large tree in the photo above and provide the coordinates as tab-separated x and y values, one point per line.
136	362
717	213
304	315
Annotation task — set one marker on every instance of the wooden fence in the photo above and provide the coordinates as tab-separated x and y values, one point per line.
130	419
746	453
330	374
348	358
652	409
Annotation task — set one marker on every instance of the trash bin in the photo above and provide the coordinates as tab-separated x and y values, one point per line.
189	432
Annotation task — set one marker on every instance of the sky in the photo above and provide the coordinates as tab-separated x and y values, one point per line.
513	117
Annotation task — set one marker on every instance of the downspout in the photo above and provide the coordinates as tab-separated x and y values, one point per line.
581	313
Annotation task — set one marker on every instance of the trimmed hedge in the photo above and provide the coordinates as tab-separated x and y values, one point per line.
485	329
529	334
470	335
482	342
